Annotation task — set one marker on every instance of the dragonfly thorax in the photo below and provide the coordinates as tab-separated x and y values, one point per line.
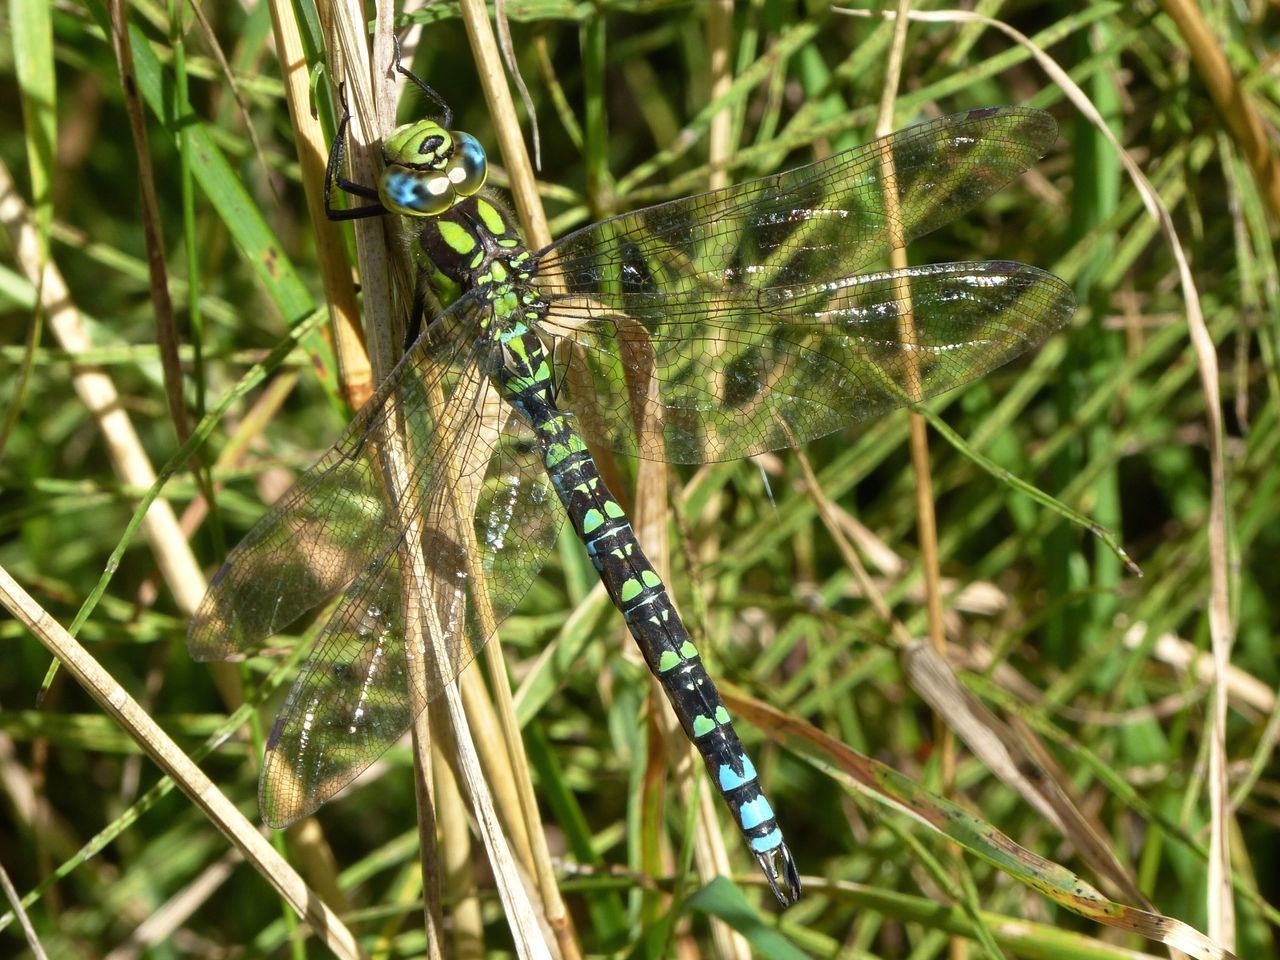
476	243
430	169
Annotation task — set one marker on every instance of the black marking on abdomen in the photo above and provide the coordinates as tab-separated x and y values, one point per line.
638	591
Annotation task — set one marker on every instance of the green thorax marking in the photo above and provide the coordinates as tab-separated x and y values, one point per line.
458	237
492	219
472	244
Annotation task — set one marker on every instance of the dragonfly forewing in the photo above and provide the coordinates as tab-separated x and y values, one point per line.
820	221
737	372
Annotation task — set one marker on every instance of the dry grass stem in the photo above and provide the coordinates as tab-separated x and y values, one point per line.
191	780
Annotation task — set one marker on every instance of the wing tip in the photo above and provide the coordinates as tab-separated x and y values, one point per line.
1060	300
212	634
282	801
1033	129
1033	117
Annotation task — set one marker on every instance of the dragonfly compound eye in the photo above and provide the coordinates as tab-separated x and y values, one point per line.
425	165
416	193
468	167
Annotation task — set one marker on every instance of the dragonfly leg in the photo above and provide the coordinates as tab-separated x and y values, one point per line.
414	325
333	175
446	115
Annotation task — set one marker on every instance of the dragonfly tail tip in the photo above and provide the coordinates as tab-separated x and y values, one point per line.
785	885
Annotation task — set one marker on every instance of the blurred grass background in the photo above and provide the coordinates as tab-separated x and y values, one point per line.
1107	673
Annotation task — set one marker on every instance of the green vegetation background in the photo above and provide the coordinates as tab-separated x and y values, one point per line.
1046	625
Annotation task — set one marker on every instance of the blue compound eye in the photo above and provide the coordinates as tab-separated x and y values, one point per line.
422	193
467	168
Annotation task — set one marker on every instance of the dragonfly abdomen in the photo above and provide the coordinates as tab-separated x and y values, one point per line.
639	593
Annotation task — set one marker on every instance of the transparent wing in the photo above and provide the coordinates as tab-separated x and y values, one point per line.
434	513
339	515
820	221
415	617
735	319
735	373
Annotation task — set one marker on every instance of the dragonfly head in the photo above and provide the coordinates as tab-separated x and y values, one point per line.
429	169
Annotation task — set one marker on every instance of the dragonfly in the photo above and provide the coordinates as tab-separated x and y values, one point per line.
717	326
